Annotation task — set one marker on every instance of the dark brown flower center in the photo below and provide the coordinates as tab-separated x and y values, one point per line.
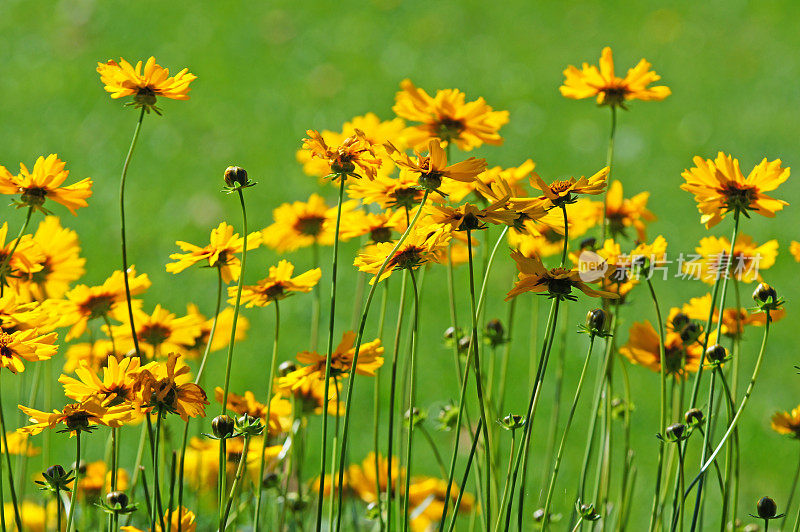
155	334
738	197
449	128
310	225
380	234
97	306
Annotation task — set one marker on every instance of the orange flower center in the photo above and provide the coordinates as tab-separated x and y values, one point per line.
561	186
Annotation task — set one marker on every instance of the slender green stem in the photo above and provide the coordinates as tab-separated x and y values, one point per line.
172	479
74	500
156	504
609	161
122	231
566	236
562	445
270	378
663	405
316	305
792	493
7	454
138	470
360	336
239	471
7	259
328	354
507	484
463	484
412	401
434	449
377	413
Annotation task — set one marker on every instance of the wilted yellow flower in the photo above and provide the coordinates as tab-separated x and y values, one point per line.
43	182
354	151
609	89
748	259
719	187
787	423
278	285
165	386
122	79
25	345
449	117
219	253
301	224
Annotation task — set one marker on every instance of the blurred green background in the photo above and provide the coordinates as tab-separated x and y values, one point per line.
269	71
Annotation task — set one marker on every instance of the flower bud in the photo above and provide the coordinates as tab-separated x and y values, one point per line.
463	344
693	417
716	354
449	333
675	432
222	426
764	293
766	508
512	422
286	367
690	332
117	499
235	176
596	321
55	471
679	321
495	333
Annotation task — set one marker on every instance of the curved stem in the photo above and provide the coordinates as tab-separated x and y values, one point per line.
265	439
239	471
7	259
663	412
122	231
411	401
507	485
463	485
74	500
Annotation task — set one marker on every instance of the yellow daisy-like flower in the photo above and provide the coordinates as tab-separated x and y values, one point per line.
160	332
643	349
369	358
220	253
432	169
733	322
165	386
75	417
602	83
401	192
183	518
426	497
449	117
16	315
794	249
786	423
222	334
563	191
84	303
719	187
26	259
470	217
424	244
379	227
19	445
93	354
354	151
556	282
458	190
377	132
114	388
145	85
278	285
748	259
280	409
301	224
26	345
623	213
43	182
308	392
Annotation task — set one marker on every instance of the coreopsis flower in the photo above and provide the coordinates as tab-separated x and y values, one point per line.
650	255
562	191
719	187
354	152
376	227
362	479
374	130
18	315
280	409
733	322
426	498
643	349
794	249
423	244
449	117
279	284
401	192
95	481
19	445
468	217
27	345
222	334
432	169
166	387
602	83
83	303
114	388
543	235
61	262
144	84
26	259
308	391
747	261
513	176
43	182
184	518
555	282
75	417
786	423
94	354
623	213
621	281
220	253
301	224
35	516
159	332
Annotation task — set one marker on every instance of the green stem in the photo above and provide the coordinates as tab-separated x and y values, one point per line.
411	400
376	399
436	454
7	454
463	484
122	231
562	445
792	492
239	471
74	500
390	487
663	413
566	236
609	161
507	484
316	305
328	353
7	258
156	504
359	338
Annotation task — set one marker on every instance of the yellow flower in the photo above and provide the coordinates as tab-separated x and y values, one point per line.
794	249
116	386
160	332
95	481
458	190
748	259
26	259
786	423
719	187
16	315
623	212
556	282
301	224
469	217
222	334
369	357
733	322
220	252
620	281
433	168
423	244
183	518
19	445
448	117
84	303
562	191
25	345
308	390
375	131
122	79
426	497
94	354
75	417
34	516
398	192
45	182
609	89
278	285
165	387
378	226
280	409
643	349
354	151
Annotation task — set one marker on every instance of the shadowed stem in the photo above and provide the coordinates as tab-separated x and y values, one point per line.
270	378
411	401
156	504
792	492
122	231
662	424
74	500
